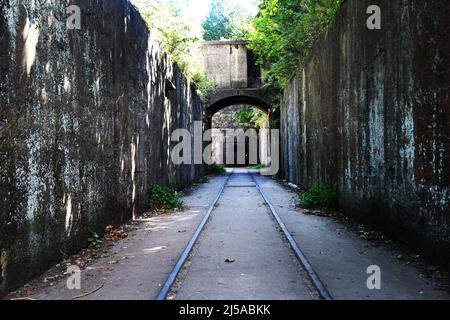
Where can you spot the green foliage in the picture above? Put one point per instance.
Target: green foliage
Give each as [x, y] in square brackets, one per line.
[164, 198]
[321, 195]
[223, 22]
[284, 31]
[179, 36]
[204, 85]
[217, 168]
[258, 167]
[202, 180]
[275, 123]
[94, 239]
[217, 24]
[250, 117]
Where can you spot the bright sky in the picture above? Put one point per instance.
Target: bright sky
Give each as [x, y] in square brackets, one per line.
[198, 9]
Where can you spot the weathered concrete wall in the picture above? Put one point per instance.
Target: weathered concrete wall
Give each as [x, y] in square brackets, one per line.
[226, 63]
[370, 111]
[86, 117]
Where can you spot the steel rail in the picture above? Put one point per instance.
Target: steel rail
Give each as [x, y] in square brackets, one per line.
[162, 295]
[323, 292]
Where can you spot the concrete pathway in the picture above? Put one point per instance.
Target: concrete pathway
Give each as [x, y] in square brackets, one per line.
[241, 254]
[341, 258]
[136, 267]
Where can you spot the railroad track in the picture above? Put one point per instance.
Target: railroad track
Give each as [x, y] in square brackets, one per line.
[301, 257]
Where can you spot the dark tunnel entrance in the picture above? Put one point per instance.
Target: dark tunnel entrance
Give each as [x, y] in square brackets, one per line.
[240, 132]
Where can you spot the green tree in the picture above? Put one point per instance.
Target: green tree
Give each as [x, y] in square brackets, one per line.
[225, 22]
[250, 117]
[284, 31]
[179, 37]
[175, 34]
[217, 24]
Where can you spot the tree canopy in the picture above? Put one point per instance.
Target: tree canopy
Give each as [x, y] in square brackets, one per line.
[225, 22]
[284, 31]
[179, 36]
[280, 36]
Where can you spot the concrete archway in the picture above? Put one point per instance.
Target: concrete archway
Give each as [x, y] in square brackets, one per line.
[220, 149]
[227, 98]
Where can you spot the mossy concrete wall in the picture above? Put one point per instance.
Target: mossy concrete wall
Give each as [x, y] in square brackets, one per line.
[85, 121]
[370, 112]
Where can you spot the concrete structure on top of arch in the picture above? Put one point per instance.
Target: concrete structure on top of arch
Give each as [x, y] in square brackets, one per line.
[238, 78]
